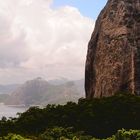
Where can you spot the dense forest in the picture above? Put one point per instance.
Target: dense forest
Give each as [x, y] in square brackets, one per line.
[100, 118]
[66, 134]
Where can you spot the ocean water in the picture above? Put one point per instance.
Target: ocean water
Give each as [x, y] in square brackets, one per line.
[8, 111]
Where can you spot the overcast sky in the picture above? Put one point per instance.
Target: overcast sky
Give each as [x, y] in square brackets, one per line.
[45, 38]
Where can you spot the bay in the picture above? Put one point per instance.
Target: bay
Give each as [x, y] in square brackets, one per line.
[10, 111]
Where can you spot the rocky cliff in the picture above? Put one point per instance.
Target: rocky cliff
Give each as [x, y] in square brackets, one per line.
[113, 58]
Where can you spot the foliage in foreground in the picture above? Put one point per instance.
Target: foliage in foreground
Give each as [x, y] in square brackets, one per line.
[98, 117]
[11, 136]
[67, 134]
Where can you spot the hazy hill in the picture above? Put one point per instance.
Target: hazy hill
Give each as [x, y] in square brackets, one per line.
[3, 97]
[80, 86]
[78, 83]
[7, 89]
[58, 81]
[39, 91]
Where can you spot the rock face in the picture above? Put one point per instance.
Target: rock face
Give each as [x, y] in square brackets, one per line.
[113, 59]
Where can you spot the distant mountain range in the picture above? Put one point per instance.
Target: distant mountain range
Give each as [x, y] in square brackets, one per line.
[58, 81]
[6, 89]
[41, 92]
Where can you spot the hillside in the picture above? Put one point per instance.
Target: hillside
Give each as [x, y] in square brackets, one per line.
[4, 97]
[7, 89]
[41, 92]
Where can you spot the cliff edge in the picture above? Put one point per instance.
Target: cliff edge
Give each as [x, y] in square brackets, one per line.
[113, 57]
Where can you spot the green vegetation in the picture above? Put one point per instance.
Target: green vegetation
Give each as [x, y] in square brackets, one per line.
[63, 134]
[100, 118]
[13, 137]
[59, 133]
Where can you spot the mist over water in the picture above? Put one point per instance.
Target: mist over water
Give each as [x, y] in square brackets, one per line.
[7, 111]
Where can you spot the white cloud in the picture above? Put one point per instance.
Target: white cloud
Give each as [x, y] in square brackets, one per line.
[37, 40]
[13, 49]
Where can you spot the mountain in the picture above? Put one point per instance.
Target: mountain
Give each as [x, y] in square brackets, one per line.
[58, 81]
[78, 83]
[80, 86]
[41, 92]
[113, 58]
[7, 89]
[3, 97]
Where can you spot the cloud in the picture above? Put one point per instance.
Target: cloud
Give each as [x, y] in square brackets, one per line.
[13, 49]
[38, 40]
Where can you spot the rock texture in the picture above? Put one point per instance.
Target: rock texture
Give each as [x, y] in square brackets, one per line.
[113, 59]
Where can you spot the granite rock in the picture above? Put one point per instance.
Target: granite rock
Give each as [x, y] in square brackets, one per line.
[113, 57]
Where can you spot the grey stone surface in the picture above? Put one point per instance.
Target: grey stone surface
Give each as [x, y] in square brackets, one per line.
[113, 57]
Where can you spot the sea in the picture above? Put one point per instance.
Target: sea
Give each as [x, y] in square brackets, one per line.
[10, 111]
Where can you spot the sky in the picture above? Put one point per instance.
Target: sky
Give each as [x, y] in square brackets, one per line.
[45, 38]
[89, 8]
